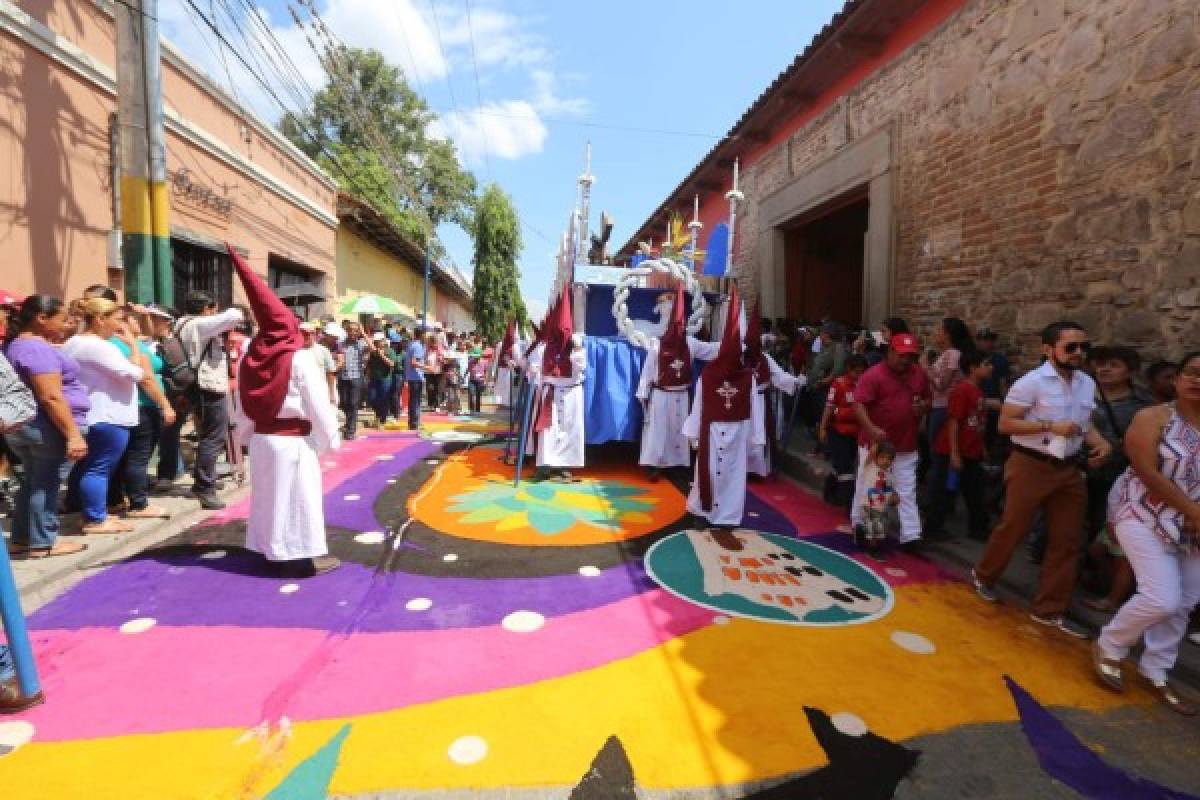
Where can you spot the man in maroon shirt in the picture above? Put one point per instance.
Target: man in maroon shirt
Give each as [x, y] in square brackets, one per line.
[891, 399]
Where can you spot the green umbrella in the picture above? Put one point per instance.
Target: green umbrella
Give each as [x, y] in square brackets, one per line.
[372, 304]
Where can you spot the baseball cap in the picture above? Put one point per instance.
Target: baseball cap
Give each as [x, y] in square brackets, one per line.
[378, 336]
[335, 330]
[905, 344]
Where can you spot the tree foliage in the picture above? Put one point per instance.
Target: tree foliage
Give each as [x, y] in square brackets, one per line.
[497, 234]
[371, 131]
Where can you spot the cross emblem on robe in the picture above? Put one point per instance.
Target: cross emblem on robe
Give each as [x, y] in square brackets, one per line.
[728, 391]
[677, 365]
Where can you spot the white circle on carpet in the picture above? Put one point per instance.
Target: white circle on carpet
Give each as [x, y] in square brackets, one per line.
[176, 570]
[589, 571]
[391, 480]
[721, 619]
[14, 734]
[289, 588]
[450, 557]
[849, 724]
[370, 537]
[419, 604]
[212, 555]
[913, 643]
[468, 750]
[351, 497]
[896, 572]
[384, 457]
[523, 622]
[139, 625]
[432, 461]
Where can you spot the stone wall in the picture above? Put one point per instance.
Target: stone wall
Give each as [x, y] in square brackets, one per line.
[1045, 156]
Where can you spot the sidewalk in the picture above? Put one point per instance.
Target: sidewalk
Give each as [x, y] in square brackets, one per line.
[959, 555]
[41, 580]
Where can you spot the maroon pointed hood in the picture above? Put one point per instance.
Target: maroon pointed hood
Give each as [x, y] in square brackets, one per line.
[556, 333]
[266, 367]
[729, 356]
[754, 354]
[506, 346]
[674, 357]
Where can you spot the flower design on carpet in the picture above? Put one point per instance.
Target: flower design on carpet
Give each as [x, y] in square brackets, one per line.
[549, 508]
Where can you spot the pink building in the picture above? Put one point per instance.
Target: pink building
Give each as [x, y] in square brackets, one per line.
[233, 177]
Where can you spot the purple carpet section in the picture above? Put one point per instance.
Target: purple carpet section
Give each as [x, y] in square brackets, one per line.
[359, 515]
[761, 517]
[182, 589]
[1064, 758]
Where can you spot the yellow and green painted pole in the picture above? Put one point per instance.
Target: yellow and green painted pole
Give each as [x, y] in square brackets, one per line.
[146, 237]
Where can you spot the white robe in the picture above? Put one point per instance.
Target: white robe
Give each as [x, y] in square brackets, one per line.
[759, 462]
[504, 376]
[287, 518]
[663, 441]
[561, 445]
[729, 447]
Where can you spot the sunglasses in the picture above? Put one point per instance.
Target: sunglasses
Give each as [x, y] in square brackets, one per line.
[1077, 347]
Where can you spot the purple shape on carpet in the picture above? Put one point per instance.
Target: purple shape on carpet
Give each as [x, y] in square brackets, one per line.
[359, 515]
[227, 592]
[767, 519]
[1066, 759]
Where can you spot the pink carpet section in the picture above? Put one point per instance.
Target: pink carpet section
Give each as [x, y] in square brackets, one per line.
[188, 677]
[336, 467]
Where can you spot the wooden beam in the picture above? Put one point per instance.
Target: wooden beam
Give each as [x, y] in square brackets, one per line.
[708, 185]
[756, 136]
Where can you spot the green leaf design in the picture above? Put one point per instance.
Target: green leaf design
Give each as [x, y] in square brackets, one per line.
[549, 522]
[541, 491]
[490, 514]
[631, 505]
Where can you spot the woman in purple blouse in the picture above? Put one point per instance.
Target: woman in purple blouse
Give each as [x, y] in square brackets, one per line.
[57, 433]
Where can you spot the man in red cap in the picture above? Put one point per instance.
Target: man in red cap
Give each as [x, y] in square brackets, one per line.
[288, 420]
[663, 389]
[556, 367]
[890, 400]
[768, 375]
[726, 423]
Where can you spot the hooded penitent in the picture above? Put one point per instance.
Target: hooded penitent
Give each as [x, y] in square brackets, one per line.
[556, 333]
[754, 355]
[506, 346]
[674, 358]
[266, 367]
[727, 385]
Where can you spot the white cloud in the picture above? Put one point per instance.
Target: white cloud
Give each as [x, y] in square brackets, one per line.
[405, 33]
[510, 130]
[546, 99]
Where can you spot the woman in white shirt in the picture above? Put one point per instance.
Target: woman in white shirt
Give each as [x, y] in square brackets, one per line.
[111, 380]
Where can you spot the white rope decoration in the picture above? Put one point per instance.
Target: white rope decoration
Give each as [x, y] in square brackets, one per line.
[681, 272]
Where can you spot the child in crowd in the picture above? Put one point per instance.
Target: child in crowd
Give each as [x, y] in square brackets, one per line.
[838, 433]
[477, 370]
[880, 518]
[958, 451]
[451, 384]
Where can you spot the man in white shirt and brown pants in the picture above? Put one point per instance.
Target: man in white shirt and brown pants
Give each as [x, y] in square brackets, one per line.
[1047, 413]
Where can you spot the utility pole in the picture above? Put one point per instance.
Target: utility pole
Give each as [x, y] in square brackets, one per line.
[146, 237]
[425, 300]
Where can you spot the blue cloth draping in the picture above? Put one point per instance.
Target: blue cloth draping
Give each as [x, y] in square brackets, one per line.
[612, 411]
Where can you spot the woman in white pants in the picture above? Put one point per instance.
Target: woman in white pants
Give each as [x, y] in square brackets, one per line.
[1155, 510]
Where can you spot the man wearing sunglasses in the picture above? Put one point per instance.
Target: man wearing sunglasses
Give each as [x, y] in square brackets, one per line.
[1047, 413]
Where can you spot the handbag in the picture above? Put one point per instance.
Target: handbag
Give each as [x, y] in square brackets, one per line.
[17, 403]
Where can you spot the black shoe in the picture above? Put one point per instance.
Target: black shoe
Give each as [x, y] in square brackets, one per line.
[209, 501]
[913, 548]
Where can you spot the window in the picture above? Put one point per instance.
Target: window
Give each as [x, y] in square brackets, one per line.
[201, 269]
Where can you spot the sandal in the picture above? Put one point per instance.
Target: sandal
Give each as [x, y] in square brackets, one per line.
[20, 552]
[109, 525]
[1108, 670]
[149, 512]
[1172, 700]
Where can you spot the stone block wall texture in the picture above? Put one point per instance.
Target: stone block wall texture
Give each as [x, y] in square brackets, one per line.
[1046, 166]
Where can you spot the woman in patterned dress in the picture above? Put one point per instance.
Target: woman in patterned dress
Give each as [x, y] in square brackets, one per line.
[1156, 505]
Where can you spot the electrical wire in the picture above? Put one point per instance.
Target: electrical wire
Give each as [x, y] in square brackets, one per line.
[478, 91]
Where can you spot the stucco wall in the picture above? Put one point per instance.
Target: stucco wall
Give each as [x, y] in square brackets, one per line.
[55, 187]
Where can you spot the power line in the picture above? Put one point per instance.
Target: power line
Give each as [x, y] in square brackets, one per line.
[274, 95]
[478, 92]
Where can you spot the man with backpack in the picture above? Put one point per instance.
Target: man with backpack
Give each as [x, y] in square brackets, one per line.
[197, 374]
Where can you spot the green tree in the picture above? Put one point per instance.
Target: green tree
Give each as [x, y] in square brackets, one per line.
[376, 127]
[497, 291]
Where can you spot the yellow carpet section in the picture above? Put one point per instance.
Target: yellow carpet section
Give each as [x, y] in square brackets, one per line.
[722, 705]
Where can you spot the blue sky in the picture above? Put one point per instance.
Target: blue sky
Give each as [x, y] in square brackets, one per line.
[551, 77]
